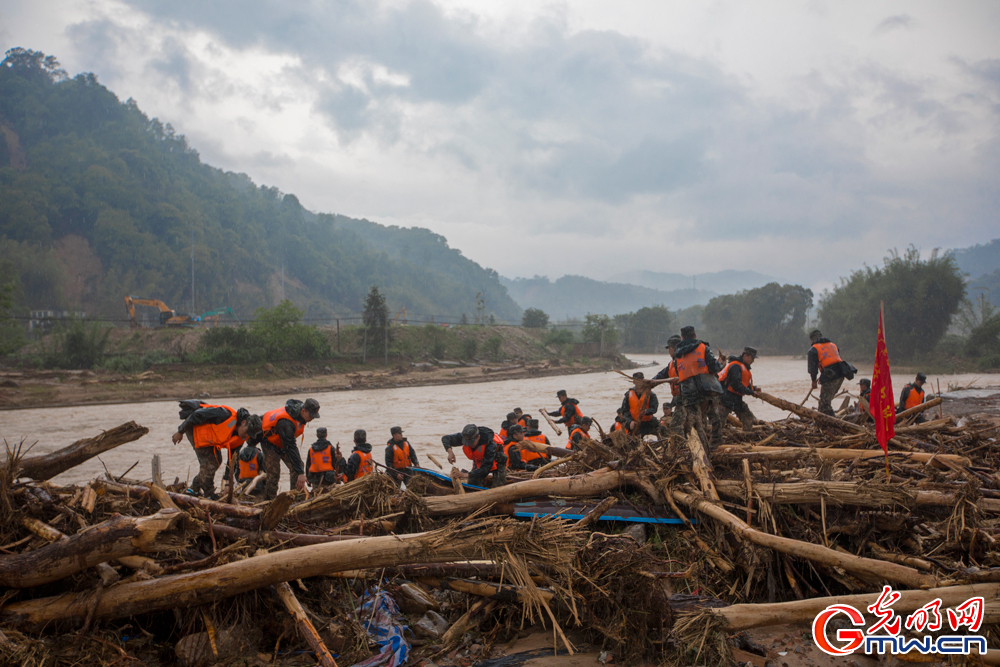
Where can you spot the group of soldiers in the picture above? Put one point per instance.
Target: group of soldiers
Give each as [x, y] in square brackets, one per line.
[704, 392]
[256, 446]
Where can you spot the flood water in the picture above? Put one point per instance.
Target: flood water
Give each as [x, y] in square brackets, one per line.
[425, 413]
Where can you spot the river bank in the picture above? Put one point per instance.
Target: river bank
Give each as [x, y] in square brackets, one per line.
[63, 388]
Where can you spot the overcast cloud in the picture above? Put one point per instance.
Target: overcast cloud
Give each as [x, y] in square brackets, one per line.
[800, 140]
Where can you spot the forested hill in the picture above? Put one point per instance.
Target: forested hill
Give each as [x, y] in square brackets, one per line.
[98, 201]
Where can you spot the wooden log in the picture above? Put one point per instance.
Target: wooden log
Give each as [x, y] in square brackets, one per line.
[47, 532]
[304, 625]
[467, 621]
[48, 466]
[182, 500]
[487, 589]
[831, 453]
[739, 617]
[591, 484]
[456, 481]
[206, 586]
[277, 538]
[542, 448]
[481, 570]
[866, 567]
[810, 414]
[117, 537]
[549, 420]
[595, 514]
[276, 510]
[917, 409]
[701, 465]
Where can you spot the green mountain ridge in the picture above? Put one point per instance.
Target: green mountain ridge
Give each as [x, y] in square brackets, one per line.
[98, 201]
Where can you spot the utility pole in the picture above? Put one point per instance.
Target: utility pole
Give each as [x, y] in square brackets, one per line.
[338, 336]
[282, 279]
[385, 346]
[602, 337]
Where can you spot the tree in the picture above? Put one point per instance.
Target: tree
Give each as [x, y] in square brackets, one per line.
[376, 318]
[920, 296]
[11, 333]
[771, 318]
[645, 330]
[599, 328]
[534, 318]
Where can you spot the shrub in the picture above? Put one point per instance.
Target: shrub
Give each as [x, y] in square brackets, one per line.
[76, 344]
[469, 347]
[492, 347]
[558, 337]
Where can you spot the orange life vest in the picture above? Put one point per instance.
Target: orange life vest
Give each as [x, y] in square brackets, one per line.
[322, 460]
[270, 422]
[248, 469]
[746, 378]
[221, 435]
[617, 426]
[828, 354]
[364, 465]
[523, 421]
[476, 455]
[693, 363]
[675, 389]
[530, 454]
[401, 455]
[915, 397]
[503, 434]
[635, 407]
[562, 412]
[577, 429]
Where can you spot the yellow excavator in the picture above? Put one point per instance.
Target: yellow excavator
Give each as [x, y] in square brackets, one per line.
[168, 317]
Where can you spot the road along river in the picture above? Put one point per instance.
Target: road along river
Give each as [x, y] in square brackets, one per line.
[425, 413]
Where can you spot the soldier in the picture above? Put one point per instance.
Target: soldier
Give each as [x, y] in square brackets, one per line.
[824, 361]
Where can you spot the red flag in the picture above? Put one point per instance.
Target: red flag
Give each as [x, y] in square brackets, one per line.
[883, 405]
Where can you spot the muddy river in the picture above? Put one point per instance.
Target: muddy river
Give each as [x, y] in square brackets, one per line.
[425, 413]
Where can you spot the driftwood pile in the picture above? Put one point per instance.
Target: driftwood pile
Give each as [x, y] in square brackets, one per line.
[776, 522]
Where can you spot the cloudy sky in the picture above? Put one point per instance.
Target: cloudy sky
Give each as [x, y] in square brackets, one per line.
[799, 139]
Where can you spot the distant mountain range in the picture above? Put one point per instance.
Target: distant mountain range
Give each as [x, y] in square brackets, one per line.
[982, 264]
[576, 296]
[720, 282]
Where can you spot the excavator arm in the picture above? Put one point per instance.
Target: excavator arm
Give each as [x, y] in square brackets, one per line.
[166, 313]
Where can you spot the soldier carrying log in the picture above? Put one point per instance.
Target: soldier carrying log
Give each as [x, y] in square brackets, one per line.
[825, 362]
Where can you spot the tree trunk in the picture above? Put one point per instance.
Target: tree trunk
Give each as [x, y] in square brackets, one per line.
[278, 538]
[203, 587]
[48, 466]
[917, 409]
[833, 454]
[862, 566]
[810, 414]
[577, 486]
[855, 494]
[117, 537]
[183, 500]
[740, 617]
[305, 626]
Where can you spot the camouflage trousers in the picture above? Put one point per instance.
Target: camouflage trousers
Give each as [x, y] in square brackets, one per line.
[209, 460]
[827, 392]
[742, 410]
[704, 418]
[273, 458]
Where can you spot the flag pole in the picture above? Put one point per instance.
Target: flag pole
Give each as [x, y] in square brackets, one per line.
[881, 319]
